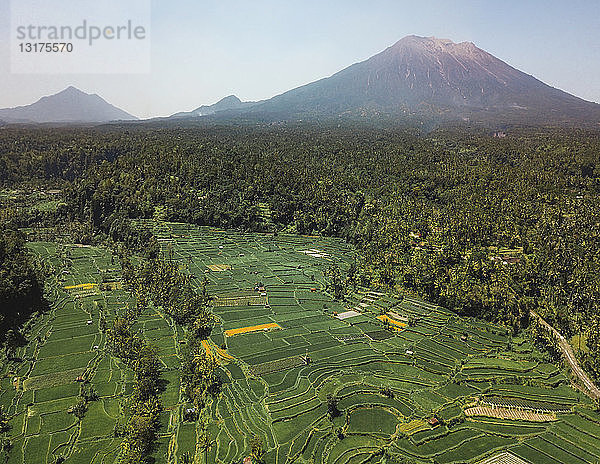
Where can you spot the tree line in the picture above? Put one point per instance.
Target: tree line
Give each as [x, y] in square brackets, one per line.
[159, 284]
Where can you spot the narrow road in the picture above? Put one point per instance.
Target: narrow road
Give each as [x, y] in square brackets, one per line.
[567, 350]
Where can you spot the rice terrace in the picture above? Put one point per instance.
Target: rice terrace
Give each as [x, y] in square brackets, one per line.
[376, 378]
[311, 232]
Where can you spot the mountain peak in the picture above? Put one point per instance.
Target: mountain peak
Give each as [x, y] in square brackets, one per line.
[432, 43]
[231, 102]
[68, 105]
[230, 99]
[418, 38]
[71, 90]
[435, 78]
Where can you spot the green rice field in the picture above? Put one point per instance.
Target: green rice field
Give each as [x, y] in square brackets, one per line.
[401, 394]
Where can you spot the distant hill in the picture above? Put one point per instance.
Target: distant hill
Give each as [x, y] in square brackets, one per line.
[434, 78]
[69, 106]
[228, 103]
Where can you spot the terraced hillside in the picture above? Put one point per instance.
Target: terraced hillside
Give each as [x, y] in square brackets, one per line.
[375, 379]
[408, 376]
[66, 349]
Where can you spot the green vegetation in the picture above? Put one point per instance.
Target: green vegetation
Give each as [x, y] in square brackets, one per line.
[395, 273]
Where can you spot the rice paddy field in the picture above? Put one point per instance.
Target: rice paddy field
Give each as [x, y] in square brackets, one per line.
[412, 380]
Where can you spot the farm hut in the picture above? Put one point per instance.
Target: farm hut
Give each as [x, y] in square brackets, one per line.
[433, 421]
[190, 414]
[89, 322]
[464, 337]
[409, 352]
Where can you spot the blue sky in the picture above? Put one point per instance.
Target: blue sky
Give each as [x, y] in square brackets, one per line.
[204, 50]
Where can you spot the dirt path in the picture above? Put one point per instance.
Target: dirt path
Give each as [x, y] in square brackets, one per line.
[567, 351]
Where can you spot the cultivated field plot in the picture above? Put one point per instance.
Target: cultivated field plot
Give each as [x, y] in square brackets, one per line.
[403, 371]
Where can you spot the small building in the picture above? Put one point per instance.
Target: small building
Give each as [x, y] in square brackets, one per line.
[499, 134]
[433, 421]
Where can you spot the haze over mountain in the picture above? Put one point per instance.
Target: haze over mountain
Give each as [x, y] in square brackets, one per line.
[426, 76]
[68, 106]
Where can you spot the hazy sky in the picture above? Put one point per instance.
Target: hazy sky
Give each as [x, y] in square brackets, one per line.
[203, 50]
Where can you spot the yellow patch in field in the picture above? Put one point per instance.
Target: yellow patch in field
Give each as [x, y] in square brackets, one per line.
[219, 267]
[394, 322]
[413, 426]
[206, 347]
[253, 328]
[81, 287]
[213, 350]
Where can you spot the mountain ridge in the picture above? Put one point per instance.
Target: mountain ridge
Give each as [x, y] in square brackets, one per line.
[424, 79]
